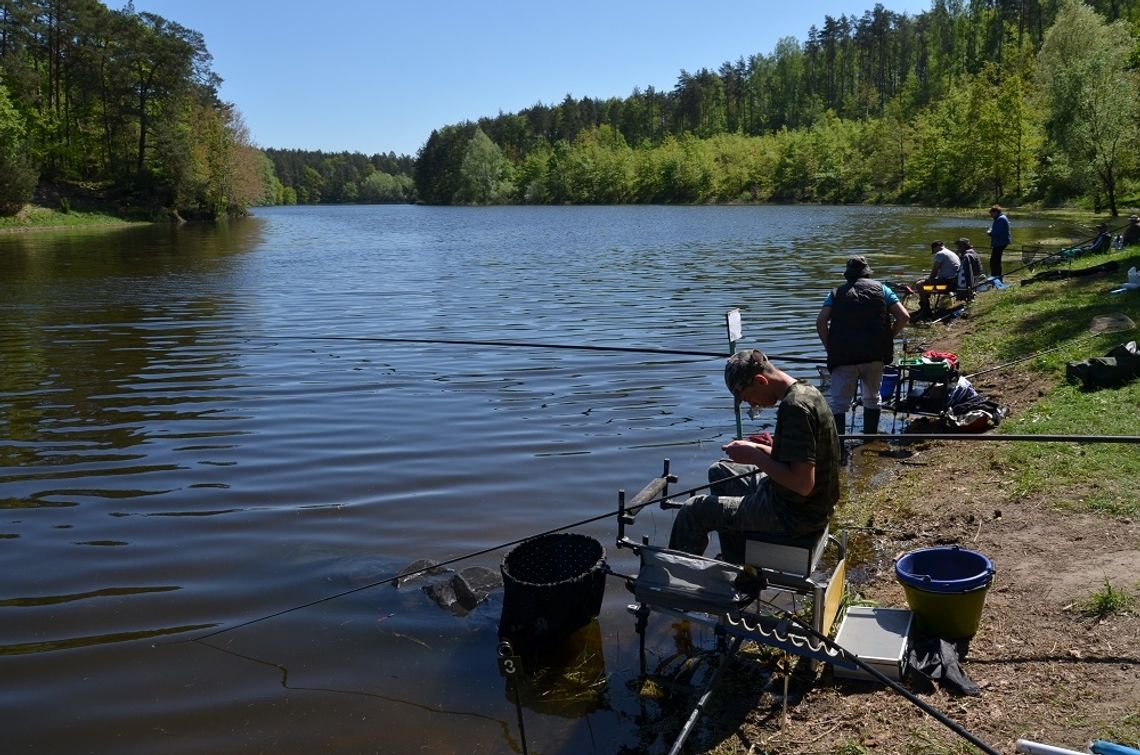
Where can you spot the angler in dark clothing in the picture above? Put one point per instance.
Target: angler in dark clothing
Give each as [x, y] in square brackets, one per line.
[1000, 238]
[1131, 233]
[857, 326]
[1102, 242]
[969, 269]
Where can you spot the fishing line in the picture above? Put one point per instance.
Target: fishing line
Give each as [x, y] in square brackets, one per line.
[1056, 254]
[997, 438]
[665, 499]
[525, 345]
[457, 559]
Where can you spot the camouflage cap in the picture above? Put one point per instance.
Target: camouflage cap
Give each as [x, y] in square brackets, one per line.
[741, 368]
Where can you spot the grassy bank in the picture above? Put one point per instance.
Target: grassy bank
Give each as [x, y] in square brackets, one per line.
[1055, 320]
[35, 218]
[1015, 344]
[1058, 650]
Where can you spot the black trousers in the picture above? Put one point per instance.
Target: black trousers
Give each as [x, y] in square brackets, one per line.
[995, 260]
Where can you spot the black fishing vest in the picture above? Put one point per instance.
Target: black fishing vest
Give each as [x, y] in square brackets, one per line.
[860, 328]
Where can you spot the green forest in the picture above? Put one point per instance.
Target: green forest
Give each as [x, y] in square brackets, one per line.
[118, 106]
[969, 103]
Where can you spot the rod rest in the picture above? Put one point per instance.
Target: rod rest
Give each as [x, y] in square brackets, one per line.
[655, 489]
[658, 487]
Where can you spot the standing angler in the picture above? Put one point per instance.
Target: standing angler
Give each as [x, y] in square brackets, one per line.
[856, 328]
[1000, 238]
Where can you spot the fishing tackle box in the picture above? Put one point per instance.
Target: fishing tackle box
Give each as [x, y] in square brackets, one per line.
[878, 637]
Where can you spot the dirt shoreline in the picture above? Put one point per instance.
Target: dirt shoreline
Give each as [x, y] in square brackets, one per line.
[1047, 671]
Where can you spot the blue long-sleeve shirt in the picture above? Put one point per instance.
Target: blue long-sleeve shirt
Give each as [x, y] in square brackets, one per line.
[999, 232]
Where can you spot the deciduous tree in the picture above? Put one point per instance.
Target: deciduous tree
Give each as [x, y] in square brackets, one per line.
[17, 176]
[482, 173]
[1091, 95]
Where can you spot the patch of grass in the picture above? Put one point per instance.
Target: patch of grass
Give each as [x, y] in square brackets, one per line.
[1125, 732]
[32, 217]
[851, 748]
[928, 743]
[1107, 602]
[1051, 320]
[1093, 476]
[1024, 320]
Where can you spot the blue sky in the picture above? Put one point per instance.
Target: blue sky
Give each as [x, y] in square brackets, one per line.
[377, 76]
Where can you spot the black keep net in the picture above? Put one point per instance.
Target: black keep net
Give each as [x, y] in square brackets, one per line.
[552, 585]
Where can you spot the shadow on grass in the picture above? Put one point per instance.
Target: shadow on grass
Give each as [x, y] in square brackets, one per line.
[1058, 316]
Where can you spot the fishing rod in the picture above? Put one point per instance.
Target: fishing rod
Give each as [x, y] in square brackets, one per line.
[921, 704]
[520, 344]
[475, 554]
[1119, 327]
[1012, 437]
[1034, 355]
[1057, 254]
[667, 502]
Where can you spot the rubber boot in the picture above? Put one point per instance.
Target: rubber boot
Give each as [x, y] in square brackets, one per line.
[871, 421]
[844, 446]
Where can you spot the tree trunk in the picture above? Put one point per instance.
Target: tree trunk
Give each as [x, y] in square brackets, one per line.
[142, 132]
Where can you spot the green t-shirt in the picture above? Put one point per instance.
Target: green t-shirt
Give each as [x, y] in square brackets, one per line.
[805, 431]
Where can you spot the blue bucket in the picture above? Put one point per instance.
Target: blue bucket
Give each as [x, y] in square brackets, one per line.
[890, 380]
[945, 588]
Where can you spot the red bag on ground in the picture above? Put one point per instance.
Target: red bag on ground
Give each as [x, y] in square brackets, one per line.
[951, 359]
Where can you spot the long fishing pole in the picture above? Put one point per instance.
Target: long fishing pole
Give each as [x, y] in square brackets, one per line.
[665, 502]
[465, 557]
[918, 702]
[1122, 328]
[1034, 355]
[1058, 254]
[526, 345]
[1014, 438]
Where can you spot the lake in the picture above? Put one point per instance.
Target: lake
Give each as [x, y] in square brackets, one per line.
[196, 433]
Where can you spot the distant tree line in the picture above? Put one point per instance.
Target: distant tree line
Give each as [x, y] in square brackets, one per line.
[973, 101]
[122, 107]
[314, 177]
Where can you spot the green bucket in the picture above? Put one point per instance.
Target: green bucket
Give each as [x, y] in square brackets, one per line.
[945, 588]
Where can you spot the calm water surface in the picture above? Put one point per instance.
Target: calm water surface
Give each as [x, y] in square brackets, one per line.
[196, 432]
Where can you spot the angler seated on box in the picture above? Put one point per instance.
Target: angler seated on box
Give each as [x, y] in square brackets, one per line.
[794, 482]
[969, 270]
[943, 277]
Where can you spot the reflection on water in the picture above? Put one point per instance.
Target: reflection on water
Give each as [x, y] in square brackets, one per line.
[568, 679]
[196, 432]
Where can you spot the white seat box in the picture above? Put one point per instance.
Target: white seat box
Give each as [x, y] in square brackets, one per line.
[878, 637]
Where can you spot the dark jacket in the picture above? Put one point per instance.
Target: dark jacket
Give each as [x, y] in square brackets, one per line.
[1131, 234]
[970, 270]
[860, 327]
